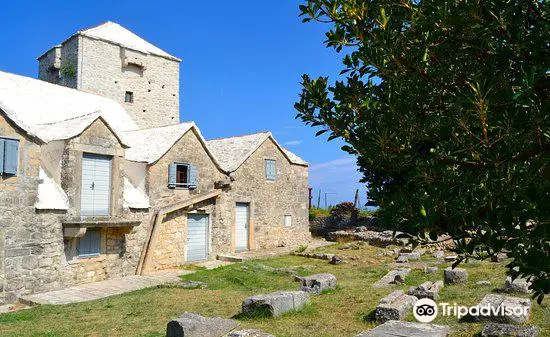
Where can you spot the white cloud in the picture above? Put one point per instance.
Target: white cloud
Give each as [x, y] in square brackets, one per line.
[336, 163]
[292, 143]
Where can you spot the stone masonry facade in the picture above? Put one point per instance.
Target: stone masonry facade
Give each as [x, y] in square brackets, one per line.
[38, 247]
[102, 68]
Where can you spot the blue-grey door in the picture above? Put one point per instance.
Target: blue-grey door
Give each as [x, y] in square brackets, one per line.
[96, 185]
[197, 237]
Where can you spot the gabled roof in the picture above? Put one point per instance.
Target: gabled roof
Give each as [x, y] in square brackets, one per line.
[149, 145]
[115, 33]
[53, 112]
[234, 151]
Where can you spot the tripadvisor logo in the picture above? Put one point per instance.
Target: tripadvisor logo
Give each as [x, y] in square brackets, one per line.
[425, 310]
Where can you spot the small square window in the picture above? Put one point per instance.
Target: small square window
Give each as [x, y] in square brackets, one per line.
[181, 175]
[288, 220]
[129, 97]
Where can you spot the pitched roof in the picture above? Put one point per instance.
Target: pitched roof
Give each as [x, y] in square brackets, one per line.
[115, 33]
[234, 151]
[149, 145]
[53, 112]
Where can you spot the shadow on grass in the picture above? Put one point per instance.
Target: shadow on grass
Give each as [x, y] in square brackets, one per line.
[370, 317]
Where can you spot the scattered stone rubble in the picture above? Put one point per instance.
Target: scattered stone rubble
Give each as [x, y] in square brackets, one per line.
[316, 284]
[193, 325]
[395, 306]
[517, 286]
[275, 304]
[455, 276]
[520, 309]
[427, 290]
[408, 329]
[390, 277]
[507, 330]
[249, 333]
[379, 239]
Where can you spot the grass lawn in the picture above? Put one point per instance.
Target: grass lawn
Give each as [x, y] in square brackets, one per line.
[340, 313]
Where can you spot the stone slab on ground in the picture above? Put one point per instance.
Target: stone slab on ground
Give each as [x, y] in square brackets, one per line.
[379, 239]
[455, 276]
[320, 256]
[499, 257]
[520, 307]
[431, 270]
[411, 256]
[406, 329]
[193, 325]
[439, 254]
[249, 333]
[427, 290]
[483, 283]
[97, 290]
[192, 285]
[518, 285]
[389, 278]
[507, 330]
[395, 306]
[275, 304]
[315, 284]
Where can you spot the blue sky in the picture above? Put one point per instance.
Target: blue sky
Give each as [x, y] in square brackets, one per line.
[242, 64]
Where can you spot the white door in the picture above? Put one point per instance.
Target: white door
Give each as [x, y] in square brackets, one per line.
[96, 185]
[241, 227]
[197, 237]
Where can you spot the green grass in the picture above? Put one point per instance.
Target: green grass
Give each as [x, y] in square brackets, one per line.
[343, 312]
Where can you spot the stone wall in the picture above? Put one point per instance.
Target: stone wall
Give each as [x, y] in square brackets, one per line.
[155, 86]
[169, 246]
[24, 235]
[270, 201]
[35, 256]
[109, 70]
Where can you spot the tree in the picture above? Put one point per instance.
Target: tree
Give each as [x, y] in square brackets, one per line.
[445, 104]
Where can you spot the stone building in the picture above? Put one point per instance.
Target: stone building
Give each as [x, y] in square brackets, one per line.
[96, 183]
[113, 62]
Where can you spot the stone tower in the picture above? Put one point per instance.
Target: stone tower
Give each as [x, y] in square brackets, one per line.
[111, 61]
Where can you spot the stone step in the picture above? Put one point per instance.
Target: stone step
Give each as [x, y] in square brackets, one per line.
[229, 258]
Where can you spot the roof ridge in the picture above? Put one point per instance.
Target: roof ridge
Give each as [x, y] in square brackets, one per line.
[97, 112]
[99, 25]
[245, 135]
[163, 126]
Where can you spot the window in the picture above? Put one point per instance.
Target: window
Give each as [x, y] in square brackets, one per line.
[9, 156]
[89, 244]
[182, 175]
[270, 169]
[288, 220]
[129, 97]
